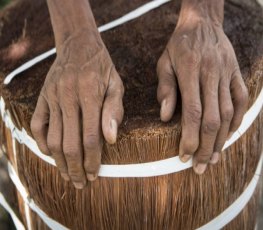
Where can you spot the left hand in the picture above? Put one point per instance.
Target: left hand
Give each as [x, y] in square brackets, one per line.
[79, 104]
[214, 96]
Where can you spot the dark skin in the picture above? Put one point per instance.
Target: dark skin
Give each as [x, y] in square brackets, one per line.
[81, 100]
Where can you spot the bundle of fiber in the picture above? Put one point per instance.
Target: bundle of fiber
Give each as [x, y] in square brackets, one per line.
[142, 184]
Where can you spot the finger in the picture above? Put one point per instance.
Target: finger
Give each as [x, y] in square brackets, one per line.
[240, 101]
[112, 113]
[39, 124]
[72, 144]
[210, 124]
[226, 114]
[166, 91]
[191, 115]
[91, 105]
[54, 139]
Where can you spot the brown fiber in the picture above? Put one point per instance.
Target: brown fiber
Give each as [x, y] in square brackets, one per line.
[177, 201]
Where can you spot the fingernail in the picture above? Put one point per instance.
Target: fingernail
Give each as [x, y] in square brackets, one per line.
[163, 104]
[65, 176]
[184, 158]
[91, 177]
[215, 158]
[114, 127]
[200, 168]
[79, 185]
[230, 135]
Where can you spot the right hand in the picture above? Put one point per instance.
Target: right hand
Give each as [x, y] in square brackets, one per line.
[201, 60]
[81, 99]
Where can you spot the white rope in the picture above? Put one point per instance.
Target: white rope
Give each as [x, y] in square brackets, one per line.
[128, 17]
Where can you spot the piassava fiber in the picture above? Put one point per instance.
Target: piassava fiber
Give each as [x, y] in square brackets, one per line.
[176, 201]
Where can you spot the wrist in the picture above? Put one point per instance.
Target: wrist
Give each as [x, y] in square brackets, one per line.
[196, 11]
[63, 34]
[81, 36]
[80, 45]
[69, 18]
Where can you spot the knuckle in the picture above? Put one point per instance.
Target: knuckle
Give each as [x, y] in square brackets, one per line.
[92, 164]
[67, 81]
[117, 91]
[227, 113]
[164, 69]
[211, 125]
[193, 112]
[51, 89]
[241, 93]
[83, 81]
[162, 62]
[190, 147]
[89, 81]
[97, 94]
[66, 90]
[35, 126]
[53, 145]
[167, 82]
[209, 64]
[91, 142]
[191, 60]
[244, 96]
[71, 153]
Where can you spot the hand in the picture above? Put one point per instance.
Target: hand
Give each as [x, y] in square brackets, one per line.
[214, 96]
[82, 94]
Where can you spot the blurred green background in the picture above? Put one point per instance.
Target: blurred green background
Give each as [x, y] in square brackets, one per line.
[3, 3]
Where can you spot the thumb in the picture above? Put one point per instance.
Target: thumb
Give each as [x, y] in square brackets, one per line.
[166, 91]
[113, 111]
